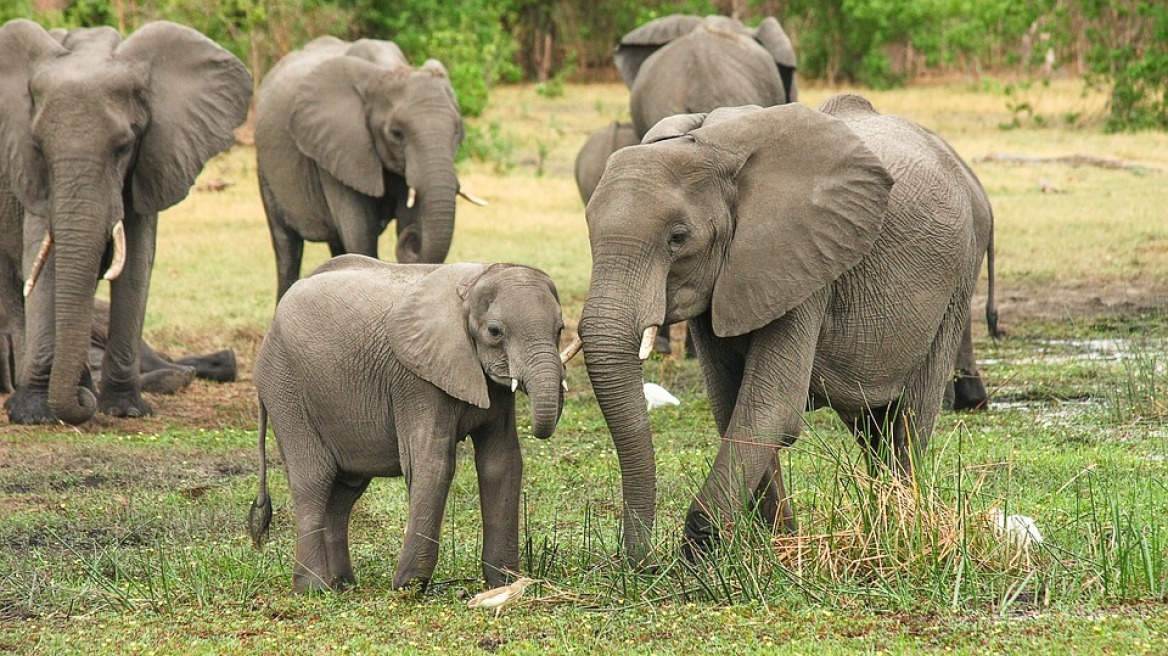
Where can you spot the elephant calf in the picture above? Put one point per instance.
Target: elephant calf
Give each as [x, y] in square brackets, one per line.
[374, 369]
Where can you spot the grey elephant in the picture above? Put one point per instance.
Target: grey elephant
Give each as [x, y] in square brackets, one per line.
[350, 137]
[813, 269]
[99, 134]
[376, 369]
[681, 64]
[595, 151]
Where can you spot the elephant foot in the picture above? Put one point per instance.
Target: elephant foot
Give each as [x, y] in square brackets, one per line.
[307, 583]
[413, 584]
[170, 380]
[700, 536]
[30, 406]
[344, 582]
[118, 403]
[969, 393]
[220, 366]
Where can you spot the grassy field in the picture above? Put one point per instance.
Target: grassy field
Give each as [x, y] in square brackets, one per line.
[129, 536]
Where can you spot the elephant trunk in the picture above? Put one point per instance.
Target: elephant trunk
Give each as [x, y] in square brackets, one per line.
[436, 187]
[611, 335]
[544, 387]
[77, 252]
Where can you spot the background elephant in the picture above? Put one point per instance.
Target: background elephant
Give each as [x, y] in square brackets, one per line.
[348, 138]
[811, 268]
[592, 156]
[160, 373]
[99, 135]
[374, 369]
[682, 64]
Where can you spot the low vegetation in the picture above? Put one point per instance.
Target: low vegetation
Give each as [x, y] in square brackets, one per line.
[129, 536]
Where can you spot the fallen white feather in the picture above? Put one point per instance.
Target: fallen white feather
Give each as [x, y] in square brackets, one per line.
[658, 396]
[1019, 528]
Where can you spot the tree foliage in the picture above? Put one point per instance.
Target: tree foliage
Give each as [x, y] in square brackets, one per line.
[1118, 45]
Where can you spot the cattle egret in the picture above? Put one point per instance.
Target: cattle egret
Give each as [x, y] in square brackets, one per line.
[501, 596]
[658, 396]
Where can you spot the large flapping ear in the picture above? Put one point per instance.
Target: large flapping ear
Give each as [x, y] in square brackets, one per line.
[770, 35]
[637, 46]
[22, 44]
[811, 201]
[197, 95]
[427, 330]
[329, 125]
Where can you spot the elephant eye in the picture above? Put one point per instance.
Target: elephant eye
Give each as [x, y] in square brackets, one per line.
[677, 239]
[494, 330]
[396, 134]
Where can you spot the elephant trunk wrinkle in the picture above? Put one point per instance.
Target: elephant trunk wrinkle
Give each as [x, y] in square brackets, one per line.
[616, 378]
[77, 259]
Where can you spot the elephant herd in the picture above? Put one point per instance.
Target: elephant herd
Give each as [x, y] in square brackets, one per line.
[819, 257]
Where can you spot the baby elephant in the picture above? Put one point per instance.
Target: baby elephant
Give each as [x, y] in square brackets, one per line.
[375, 369]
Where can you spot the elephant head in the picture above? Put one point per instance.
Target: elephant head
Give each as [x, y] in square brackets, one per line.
[97, 129]
[742, 214]
[638, 45]
[379, 125]
[464, 324]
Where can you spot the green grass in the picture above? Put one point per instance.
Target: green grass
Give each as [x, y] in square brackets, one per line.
[130, 536]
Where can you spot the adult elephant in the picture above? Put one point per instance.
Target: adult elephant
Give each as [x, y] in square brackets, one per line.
[99, 134]
[683, 64]
[812, 268]
[350, 137]
[595, 151]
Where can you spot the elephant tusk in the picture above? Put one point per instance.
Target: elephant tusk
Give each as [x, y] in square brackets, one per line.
[571, 350]
[412, 198]
[38, 264]
[565, 384]
[514, 385]
[472, 198]
[119, 262]
[647, 340]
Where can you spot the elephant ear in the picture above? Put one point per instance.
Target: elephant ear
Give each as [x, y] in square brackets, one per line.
[637, 46]
[810, 203]
[22, 44]
[329, 126]
[770, 35]
[197, 94]
[427, 331]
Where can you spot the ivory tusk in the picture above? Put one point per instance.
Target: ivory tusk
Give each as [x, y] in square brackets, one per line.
[647, 339]
[38, 264]
[571, 350]
[412, 198]
[565, 384]
[472, 198]
[514, 384]
[119, 262]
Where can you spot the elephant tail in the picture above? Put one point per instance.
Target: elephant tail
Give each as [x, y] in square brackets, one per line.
[991, 308]
[260, 516]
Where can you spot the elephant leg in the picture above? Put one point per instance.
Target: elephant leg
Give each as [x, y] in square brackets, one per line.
[768, 415]
[969, 392]
[121, 384]
[722, 369]
[287, 244]
[29, 404]
[340, 507]
[499, 464]
[12, 339]
[219, 366]
[310, 496]
[355, 217]
[770, 497]
[160, 375]
[428, 467]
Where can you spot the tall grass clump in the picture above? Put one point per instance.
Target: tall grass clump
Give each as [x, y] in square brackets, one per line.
[1142, 393]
